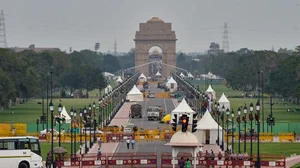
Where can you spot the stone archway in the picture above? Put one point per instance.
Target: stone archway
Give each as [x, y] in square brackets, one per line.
[155, 33]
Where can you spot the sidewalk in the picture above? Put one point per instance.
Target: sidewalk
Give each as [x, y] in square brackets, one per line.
[120, 119]
[291, 161]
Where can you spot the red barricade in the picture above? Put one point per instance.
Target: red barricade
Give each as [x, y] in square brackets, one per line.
[125, 136]
[113, 137]
[266, 161]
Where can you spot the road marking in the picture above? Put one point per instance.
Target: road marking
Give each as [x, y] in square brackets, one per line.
[173, 103]
[143, 113]
[165, 106]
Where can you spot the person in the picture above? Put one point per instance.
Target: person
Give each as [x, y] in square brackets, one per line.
[187, 163]
[100, 142]
[132, 143]
[14, 131]
[99, 154]
[48, 160]
[128, 143]
[181, 163]
[62, 134]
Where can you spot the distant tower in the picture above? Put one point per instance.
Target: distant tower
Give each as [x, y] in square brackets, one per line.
[225, 45]
[115, 48]
[3, 42]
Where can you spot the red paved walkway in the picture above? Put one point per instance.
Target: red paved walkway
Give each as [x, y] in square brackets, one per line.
[121, 118]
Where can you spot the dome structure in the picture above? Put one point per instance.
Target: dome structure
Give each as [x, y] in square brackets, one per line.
[155, 19]
[155, 52]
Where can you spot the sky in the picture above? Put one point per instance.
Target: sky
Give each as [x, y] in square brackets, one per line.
[79, 24]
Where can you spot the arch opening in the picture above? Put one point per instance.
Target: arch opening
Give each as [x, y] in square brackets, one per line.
[155, 54]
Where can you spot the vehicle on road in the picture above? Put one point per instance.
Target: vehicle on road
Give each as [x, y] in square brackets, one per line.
[136, 111]
[145, 85]
[151, 95]
[154, 113]
[20, 152]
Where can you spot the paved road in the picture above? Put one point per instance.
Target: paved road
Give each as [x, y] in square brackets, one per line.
[154, 146]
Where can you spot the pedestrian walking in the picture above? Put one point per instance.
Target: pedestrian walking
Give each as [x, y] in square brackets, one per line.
[100, 142]
[181, 163]
[128, 143]
[48, 160]
[187, 163]
[99, 154]
[132, 143]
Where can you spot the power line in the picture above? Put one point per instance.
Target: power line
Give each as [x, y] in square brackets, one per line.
[3, 41]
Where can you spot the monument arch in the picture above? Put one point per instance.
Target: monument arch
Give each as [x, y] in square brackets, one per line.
[155, 33]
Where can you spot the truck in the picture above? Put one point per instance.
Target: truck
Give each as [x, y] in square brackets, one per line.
[154, 113]
[136, 111]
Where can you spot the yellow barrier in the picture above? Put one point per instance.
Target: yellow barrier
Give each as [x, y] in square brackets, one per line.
[162, 95]
[21, 129]
[5, 129]
[286, 136]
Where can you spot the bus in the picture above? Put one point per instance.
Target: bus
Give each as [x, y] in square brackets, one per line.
[20, 152]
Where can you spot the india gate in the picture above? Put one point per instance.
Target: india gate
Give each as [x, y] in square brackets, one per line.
[155, 33]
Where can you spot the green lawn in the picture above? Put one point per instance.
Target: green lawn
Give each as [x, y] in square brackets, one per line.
[30, 111]
[284, 148]
[46, 147]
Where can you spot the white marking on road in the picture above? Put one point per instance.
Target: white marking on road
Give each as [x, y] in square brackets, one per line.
[166, 109]
[143, 113]
[173, 103]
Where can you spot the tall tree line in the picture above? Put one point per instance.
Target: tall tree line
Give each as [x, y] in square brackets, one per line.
[24, 75]
[281, 70]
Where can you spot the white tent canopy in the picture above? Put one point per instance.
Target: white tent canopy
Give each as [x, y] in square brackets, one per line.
[224, 101]
[108, 89]
[157, 74]
[142, 78]
[183, 107]
[119, 79]
[64, 114]
[135, 95]
[171, 84]
[190, 75]
[182, 75]
[207, 129]
[211, 92]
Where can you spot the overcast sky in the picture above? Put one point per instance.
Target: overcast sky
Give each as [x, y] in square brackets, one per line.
[255, 24]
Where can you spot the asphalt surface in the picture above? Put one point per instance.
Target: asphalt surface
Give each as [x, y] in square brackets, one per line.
[154, 146]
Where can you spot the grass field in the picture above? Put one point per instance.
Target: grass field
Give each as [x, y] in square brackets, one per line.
[46, 147]
[30, 111]
[284, 148]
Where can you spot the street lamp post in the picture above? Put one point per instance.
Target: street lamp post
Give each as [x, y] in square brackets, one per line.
[71, 112]
[232, 133]
[218, 115]
[80, 130]
[238, 119]
[51, 107]
[94, 111]
[227, 130]
[85, 141]
[251, 128]
[245, 125]
[90, 121]
[100, 113]
[75, 141]
[222, 118]
[258, 131]
[59, 123]
[37, 127]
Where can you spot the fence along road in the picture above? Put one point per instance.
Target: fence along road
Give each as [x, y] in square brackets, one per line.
[152, 146]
